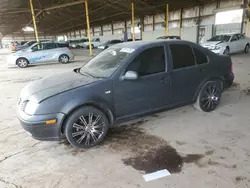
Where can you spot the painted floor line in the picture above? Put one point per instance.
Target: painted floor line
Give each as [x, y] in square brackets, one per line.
[156, 175]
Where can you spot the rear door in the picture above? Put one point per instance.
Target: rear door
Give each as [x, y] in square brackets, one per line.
[186, 76]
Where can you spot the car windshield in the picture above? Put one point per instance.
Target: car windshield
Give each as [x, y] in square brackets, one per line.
[224, 38]
[106, 63]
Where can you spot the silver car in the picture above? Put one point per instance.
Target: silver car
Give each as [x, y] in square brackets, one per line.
[228, 43]
[41, 52]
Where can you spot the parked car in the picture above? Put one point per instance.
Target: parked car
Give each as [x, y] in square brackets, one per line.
[41, 52]
[109, 43]
[73, 43]
[95, 42]
[124, 81]
[227, 43]
[170, 37]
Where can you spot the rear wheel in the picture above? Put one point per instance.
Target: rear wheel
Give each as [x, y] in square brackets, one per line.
[64, 59]
[246, 50]
[22, 62]
[86, 127]
[209, 96]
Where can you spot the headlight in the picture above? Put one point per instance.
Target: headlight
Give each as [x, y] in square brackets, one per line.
[217, 47]
[30, 108]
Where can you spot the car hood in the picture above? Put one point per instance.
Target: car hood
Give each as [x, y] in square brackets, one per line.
[39, 90]
[211, 43]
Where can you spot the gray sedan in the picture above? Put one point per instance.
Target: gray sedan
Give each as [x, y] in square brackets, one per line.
[124, 81]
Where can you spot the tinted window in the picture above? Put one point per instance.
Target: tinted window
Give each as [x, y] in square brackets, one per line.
[149, 62]
[201, 58]
[62, 45]
[182, 56]
[241, 36]
[49, 46]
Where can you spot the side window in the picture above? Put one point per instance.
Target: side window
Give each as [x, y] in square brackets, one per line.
[201, 58]
[234, 38]
[50, 46]
[150, 61]
[240, 36]
[38, 47]
[182, 56]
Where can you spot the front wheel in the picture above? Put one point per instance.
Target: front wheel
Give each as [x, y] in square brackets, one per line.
[226, 52]
[22, 62]
[64, 59]
[246, 50]
[209, 96]
[86, 127]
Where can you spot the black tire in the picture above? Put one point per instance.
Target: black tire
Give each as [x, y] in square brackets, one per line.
[22, 62]
[227, 51]
[209, 96]
[246, 50]
[79, 130]
[64, 59]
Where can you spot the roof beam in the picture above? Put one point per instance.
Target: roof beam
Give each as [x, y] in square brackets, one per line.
[65, 5]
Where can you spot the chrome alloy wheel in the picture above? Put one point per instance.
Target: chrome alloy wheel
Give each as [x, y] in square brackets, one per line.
[88, 129]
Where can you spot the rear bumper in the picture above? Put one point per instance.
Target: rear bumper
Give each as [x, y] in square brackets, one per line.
[35, 125]
[229, 79]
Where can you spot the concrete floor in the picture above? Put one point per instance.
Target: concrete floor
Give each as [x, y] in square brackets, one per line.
[220, 138]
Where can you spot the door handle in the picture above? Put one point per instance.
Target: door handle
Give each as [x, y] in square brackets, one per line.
[164, 80]
[203, 70]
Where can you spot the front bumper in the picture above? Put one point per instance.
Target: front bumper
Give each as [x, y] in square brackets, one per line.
[220, 51]
[35, 125]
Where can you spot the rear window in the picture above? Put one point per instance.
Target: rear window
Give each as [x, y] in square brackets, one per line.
[62, 45]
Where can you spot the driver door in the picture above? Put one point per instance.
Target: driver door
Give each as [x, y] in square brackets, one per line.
[150, 91]
[37, 53]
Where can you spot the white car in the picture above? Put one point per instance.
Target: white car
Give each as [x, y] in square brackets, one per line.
[95, 42]
[227, 43]
[41, 52]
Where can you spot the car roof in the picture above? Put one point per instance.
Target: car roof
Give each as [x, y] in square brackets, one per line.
[138, 44]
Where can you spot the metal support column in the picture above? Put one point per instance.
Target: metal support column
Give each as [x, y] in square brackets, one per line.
[247, 23]
[166, 21]
[133, 20]
[34, 20]
[112, 28]
[88, 27]
[180, 25]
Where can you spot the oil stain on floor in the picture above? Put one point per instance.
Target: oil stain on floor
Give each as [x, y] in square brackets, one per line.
[149, 153]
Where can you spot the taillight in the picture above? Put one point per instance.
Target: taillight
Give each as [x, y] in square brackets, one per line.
[69, 48]
[231, 67]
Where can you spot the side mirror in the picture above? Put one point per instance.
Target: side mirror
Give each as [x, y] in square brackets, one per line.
[130, 75]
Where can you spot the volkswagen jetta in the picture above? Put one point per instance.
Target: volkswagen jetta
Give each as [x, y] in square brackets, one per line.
[124, 81]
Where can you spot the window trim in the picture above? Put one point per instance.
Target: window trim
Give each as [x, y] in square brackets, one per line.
[149, 75]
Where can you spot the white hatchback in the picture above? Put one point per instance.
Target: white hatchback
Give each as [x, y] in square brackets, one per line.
[227, 43]
[41, 52]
